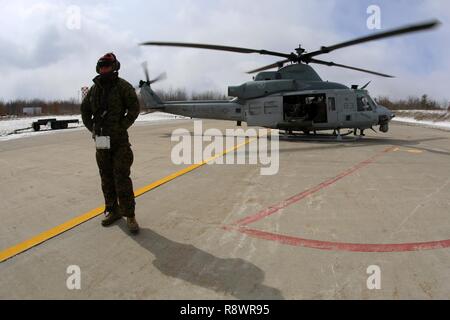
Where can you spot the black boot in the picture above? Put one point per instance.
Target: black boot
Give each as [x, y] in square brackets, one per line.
[111, 216]
[132, 224]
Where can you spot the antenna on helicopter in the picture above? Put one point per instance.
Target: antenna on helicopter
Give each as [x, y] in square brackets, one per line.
[366, 85]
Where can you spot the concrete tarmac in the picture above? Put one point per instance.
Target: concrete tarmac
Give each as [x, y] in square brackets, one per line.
[311, 231]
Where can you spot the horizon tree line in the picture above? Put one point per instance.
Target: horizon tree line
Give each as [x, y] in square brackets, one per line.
[68, 107]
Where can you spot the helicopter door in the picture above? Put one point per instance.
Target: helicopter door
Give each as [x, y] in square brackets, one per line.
[264, 112]
[331, 109]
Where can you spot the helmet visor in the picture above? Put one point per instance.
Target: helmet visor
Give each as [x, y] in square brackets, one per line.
[105, 63]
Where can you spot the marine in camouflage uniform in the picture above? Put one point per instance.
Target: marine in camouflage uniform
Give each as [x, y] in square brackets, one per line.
[109, 109]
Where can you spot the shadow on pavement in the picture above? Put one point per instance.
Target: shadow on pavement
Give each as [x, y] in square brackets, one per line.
[233, 276]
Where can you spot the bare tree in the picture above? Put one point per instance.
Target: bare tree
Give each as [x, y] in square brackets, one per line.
[208, 95]
[411, 103]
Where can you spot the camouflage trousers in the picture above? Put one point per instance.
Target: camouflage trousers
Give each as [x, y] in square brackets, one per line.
[114, 166]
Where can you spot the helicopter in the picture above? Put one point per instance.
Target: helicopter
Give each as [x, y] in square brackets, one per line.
[292, 99]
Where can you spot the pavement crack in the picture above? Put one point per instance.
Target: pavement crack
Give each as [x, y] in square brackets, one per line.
[426, 200]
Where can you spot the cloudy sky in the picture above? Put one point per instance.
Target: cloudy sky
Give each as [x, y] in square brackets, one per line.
[48, 49]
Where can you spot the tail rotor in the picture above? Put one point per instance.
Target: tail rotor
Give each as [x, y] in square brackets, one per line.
[147, 81]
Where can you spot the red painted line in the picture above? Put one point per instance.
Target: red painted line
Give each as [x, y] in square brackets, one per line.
[341, 246]
[285, 203]
[239, 226]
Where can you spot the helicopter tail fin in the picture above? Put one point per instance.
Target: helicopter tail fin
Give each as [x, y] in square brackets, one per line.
[151, 100]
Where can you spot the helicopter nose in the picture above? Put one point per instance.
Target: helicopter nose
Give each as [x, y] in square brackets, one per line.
[383, 119]
[385, 115]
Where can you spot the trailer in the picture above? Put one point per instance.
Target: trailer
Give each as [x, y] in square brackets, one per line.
[53, 123]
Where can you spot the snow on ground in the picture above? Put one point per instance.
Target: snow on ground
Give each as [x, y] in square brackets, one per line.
[439, 119]
[422, 111]
[426, 123]
[433, 115]
[7, 126]
[158, 116]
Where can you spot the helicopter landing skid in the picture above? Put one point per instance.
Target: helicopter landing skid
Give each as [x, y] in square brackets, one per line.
[334, 137]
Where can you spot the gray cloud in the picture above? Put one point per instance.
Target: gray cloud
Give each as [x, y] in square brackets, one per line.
[41, 57]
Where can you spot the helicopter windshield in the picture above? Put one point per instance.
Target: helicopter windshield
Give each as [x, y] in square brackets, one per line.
[371, 101]
[365, 102]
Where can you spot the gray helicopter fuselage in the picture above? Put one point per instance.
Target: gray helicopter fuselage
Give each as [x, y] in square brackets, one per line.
[293, 98]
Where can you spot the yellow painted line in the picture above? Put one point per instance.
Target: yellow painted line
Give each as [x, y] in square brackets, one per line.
[172, 176]
[53, 232]
[414, 151]
[46, 235]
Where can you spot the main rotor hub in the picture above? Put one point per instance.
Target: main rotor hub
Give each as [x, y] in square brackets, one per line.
[300, 50]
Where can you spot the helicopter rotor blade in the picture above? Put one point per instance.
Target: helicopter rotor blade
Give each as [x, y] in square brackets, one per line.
[332, 64]
[145, 67]
[161, 77]
[278, 64]
[217, 47]
[394, 32]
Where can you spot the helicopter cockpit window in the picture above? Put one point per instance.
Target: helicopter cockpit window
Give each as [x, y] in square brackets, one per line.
[372, 103]
[363, 104]
[332, 104]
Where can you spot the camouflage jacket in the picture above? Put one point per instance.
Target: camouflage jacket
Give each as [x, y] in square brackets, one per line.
[118, 98]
